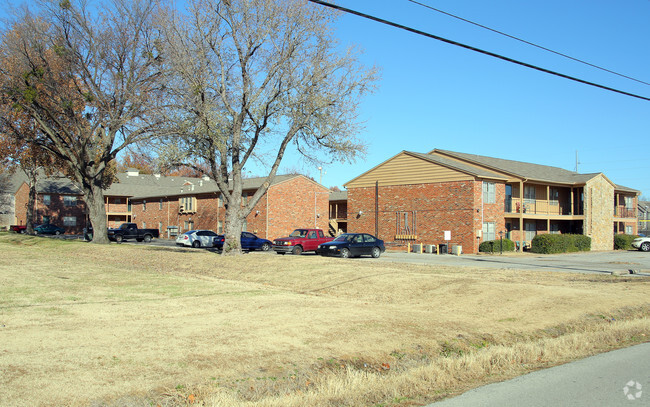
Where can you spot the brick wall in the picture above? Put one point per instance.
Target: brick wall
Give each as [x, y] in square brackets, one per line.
[292, 204]
[22, 197]
[56, 210]
[297, 203]
[447, 206]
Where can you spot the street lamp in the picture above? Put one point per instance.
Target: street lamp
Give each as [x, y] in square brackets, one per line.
[501, 240]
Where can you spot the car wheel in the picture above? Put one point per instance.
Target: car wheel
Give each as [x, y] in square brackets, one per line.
[57, 233]
[645, 247]
[266, 247]
[297, 250]
[375, 252]
[147, 238]
[196, 244]
[345, 253]
[119, 238]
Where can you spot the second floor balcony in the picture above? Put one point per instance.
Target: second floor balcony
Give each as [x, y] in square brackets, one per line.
[541, 207]
[623, 212]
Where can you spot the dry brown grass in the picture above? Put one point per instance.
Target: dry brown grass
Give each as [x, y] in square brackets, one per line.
[82, 324]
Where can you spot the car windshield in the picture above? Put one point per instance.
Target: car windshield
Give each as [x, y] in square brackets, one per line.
[344, 238]
[298, 233]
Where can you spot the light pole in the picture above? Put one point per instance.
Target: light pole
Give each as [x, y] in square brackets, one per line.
[501, 241]
[320, 180]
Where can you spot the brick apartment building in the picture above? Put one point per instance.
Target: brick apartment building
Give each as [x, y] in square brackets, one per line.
[416, 198]
[175, 204]
[292, 201]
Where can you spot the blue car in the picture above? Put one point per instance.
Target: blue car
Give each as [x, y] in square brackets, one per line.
[248, 242]
[353, 245]
[49, 229]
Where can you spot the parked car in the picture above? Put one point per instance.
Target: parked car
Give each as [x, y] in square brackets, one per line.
[131, 231]
[352, 245]
[248, 242]
[300, 240]
[49, 229]
[642, 243]
[18, 228]
[197, 238]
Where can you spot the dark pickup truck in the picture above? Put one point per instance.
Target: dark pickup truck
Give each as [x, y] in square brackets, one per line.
[131, 231]
[300, 240]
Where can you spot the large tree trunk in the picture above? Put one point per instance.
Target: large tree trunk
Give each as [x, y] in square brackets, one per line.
[233, 226]
[31, 203]
[94, 197]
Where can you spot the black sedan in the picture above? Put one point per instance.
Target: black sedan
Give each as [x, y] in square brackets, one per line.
[248, 242]
[352, 245]
[49, 229]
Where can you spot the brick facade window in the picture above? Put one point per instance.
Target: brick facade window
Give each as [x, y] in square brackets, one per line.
[489, 192]
[488, 231]
[220, 227]
[144, 206]
[47, 199]
[69, 221]
[187, 204]
[161, 204]
[69, 200]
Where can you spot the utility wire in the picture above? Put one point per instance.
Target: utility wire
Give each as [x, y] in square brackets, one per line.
[471, 48]
[529, 43]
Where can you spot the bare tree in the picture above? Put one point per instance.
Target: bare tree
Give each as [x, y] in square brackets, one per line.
[89, 78]
[252, 77]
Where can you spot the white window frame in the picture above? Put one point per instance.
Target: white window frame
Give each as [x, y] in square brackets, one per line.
[188, 203]
[69, 200]
[69, 221]
[489, 192]
[489, 231]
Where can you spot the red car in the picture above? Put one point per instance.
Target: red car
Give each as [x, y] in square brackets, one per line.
[300, 240]
[18, 228]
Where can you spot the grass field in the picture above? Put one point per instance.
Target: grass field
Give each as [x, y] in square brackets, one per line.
[123, 325]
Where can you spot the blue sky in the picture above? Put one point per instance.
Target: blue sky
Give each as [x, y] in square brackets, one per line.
[435, 95]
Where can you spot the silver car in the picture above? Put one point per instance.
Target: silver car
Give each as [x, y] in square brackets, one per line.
[197, 238]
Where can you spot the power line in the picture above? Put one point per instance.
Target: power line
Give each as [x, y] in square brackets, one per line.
[528, 42]
[471, 48]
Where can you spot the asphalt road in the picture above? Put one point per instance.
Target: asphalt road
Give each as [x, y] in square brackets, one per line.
[617, 378]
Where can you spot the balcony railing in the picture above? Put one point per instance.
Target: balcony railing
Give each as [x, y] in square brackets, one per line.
[538, 207]
[623, 212]
[339, 214]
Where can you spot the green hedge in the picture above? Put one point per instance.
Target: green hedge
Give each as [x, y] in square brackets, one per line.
[623, 242]
[560, 243]
[494, 246]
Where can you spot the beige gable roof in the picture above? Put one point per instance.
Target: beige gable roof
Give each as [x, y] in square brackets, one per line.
[408, 168]
[531, 172]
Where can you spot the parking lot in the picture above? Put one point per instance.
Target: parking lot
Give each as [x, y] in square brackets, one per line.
[587, 262]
